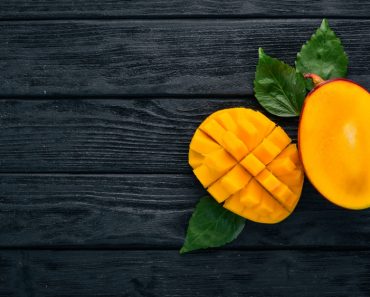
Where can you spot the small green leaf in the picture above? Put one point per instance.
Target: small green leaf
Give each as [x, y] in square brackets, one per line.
[323, 54]
[309, 84]
[211, 225]
[278, 86]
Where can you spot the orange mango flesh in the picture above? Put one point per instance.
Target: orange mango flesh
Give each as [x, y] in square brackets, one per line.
[334, 141]
[247, 163]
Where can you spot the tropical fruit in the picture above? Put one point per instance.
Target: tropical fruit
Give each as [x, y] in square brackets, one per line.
[334, 141]
[248, 163]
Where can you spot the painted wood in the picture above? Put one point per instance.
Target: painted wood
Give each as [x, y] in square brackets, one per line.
[124, 136]
[95, 191]
[157, 57]
[18, 9]
[151, 211]
[167, 274]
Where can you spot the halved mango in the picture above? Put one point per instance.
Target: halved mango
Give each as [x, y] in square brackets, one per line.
[251, 166]
[334, 142]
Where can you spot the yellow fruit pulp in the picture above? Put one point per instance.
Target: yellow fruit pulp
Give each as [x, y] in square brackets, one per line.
[247, 163]
[334, 140]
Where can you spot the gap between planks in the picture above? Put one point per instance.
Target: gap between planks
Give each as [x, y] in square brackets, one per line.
[95, 174]
[166, 248]
[180, 17]
[219, 97]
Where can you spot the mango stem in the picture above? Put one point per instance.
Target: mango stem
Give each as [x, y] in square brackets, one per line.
[315, 78]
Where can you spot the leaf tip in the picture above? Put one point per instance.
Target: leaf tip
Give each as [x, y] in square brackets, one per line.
[324, 25]
[183, 250]
[261, 53]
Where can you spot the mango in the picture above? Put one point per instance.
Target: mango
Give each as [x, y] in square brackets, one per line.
[334, 141]
[247, 163]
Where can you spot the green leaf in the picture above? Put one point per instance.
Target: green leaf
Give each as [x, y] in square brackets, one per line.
[309, 84]
[323, 54]
[278, 86]
[211, 225]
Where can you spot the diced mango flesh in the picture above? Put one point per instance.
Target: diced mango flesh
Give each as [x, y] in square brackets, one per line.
[219, 161]
[252, 164]
[248, 134]
[247, 163]
[206, 175]
[234, 145]
[266, 151]
[235, 179]
[218, 191]
[268, 180]
[251, 195]
[290, 152]
[227, 122]
[202, 143]
[214, 130]
[279, 138]
[233, 204]
[281, 166]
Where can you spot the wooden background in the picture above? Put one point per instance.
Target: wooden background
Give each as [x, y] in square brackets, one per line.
[98, 102]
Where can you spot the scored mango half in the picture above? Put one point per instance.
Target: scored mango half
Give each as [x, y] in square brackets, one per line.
[248, 163]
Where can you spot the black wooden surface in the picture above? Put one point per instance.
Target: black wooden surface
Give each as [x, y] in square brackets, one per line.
[156, 57]
[106, 135]
[165, 273]
[37, 9]
[151, 211]
[98, 102]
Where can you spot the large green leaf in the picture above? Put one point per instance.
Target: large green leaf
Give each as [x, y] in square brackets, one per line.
[278, 86]
[211, 225]
[323, 54]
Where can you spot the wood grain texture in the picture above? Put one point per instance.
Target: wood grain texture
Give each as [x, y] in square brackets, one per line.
[151, 211]
[78, 176]
[157, 57]
[129, 136]
[167, 274]
[126, 8]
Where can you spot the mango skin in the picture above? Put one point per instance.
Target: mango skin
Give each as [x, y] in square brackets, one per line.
[334, 142]
[248, 164]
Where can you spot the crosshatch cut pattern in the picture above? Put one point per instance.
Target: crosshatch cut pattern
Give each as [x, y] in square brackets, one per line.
[246, 161]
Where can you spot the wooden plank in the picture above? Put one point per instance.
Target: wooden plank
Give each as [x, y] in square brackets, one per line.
[130, 136]
[156, 57]
[166, 273]
[126, 8]
[151, 211]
